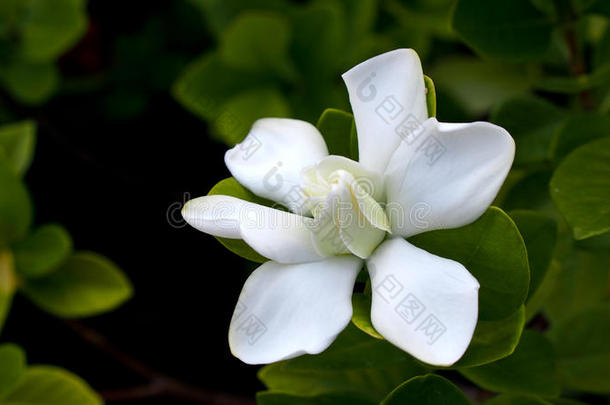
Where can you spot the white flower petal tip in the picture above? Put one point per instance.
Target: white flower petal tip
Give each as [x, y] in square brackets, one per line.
[276, 235]
[424, 304]
[386, 93]
[270, 159]
[285, 311]
[446, 175]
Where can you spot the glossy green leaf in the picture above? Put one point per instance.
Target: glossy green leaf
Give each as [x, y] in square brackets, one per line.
[492, 249]
[582, 343]
[231, 187]
[540, 297]
[335, 126]
[17, 145]
[539, 233]
[239, 112]
[12, 361]
[51, 27]
[580, 283]
[516, 399]
[493, 340]
[531, 121]
[30, 83]
[427, 390]
[580, 189]
[511, 30]
[257, 41]
[86, 284]
[355, 363]
[578, 130]
[274, 398]
[43, 251]
[47, 385]
[15, 206]
[476, 85]
[531, 369]
[361, 317]
[430, 96]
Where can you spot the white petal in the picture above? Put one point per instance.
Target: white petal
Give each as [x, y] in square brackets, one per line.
[269, 160]
[386, 92]
[277, 235]
[446, 175]
[422, 303]
[288, 310]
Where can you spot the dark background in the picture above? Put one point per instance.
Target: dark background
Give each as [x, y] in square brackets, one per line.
[116, 181]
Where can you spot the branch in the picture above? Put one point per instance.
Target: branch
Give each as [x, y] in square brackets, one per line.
[159, 384]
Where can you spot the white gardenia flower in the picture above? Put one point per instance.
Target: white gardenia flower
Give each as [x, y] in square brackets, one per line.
[415, 174]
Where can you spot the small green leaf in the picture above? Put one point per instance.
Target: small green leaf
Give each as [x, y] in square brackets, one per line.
[47, 385]
[17, 145]
[493, 340]
[492, 249]
[12, 359]
[530, 369]
[275, 398]
[8, 284]
[539, 233]
[335, 126]
[530, 192]
[531, 121]
[43, 251]
[355, 363]
[50, 28]
[580, 189]
[231, 187]
[257, 41]
[15, 207]
[512, 30]
[430, 96]
[361, 304]
[353, 142]
[516, 399]
[86, 284]
[582, 343]
[30, 83]
[426, 390]
[578, 130]
[541, 296]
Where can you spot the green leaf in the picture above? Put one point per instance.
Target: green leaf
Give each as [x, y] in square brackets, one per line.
[355, 363]
[43, 251]
[430, 96]
[274, 398]
[530, 369]
[86, 284]
[580, 189]
[516, 399]
[12, 359]
[581, 283]
[531, 121]
[361, 305]
[239, 112]
[427, 390]
[493, 340]
[578, 130]
[258, 42]
[539, 233]
[17, 145]
[231, 187]
[336, 126]
[353, 142]
[512, 30]
[476, 85]
[530, 192]
[8, 284]
[47, 385]
[541, 296]
[50, 28]
[30, 83]
[207, 83]
[492, 249]
[15, 206]
[582, 343]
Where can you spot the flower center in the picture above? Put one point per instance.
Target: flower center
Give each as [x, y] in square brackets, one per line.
[343, 198]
